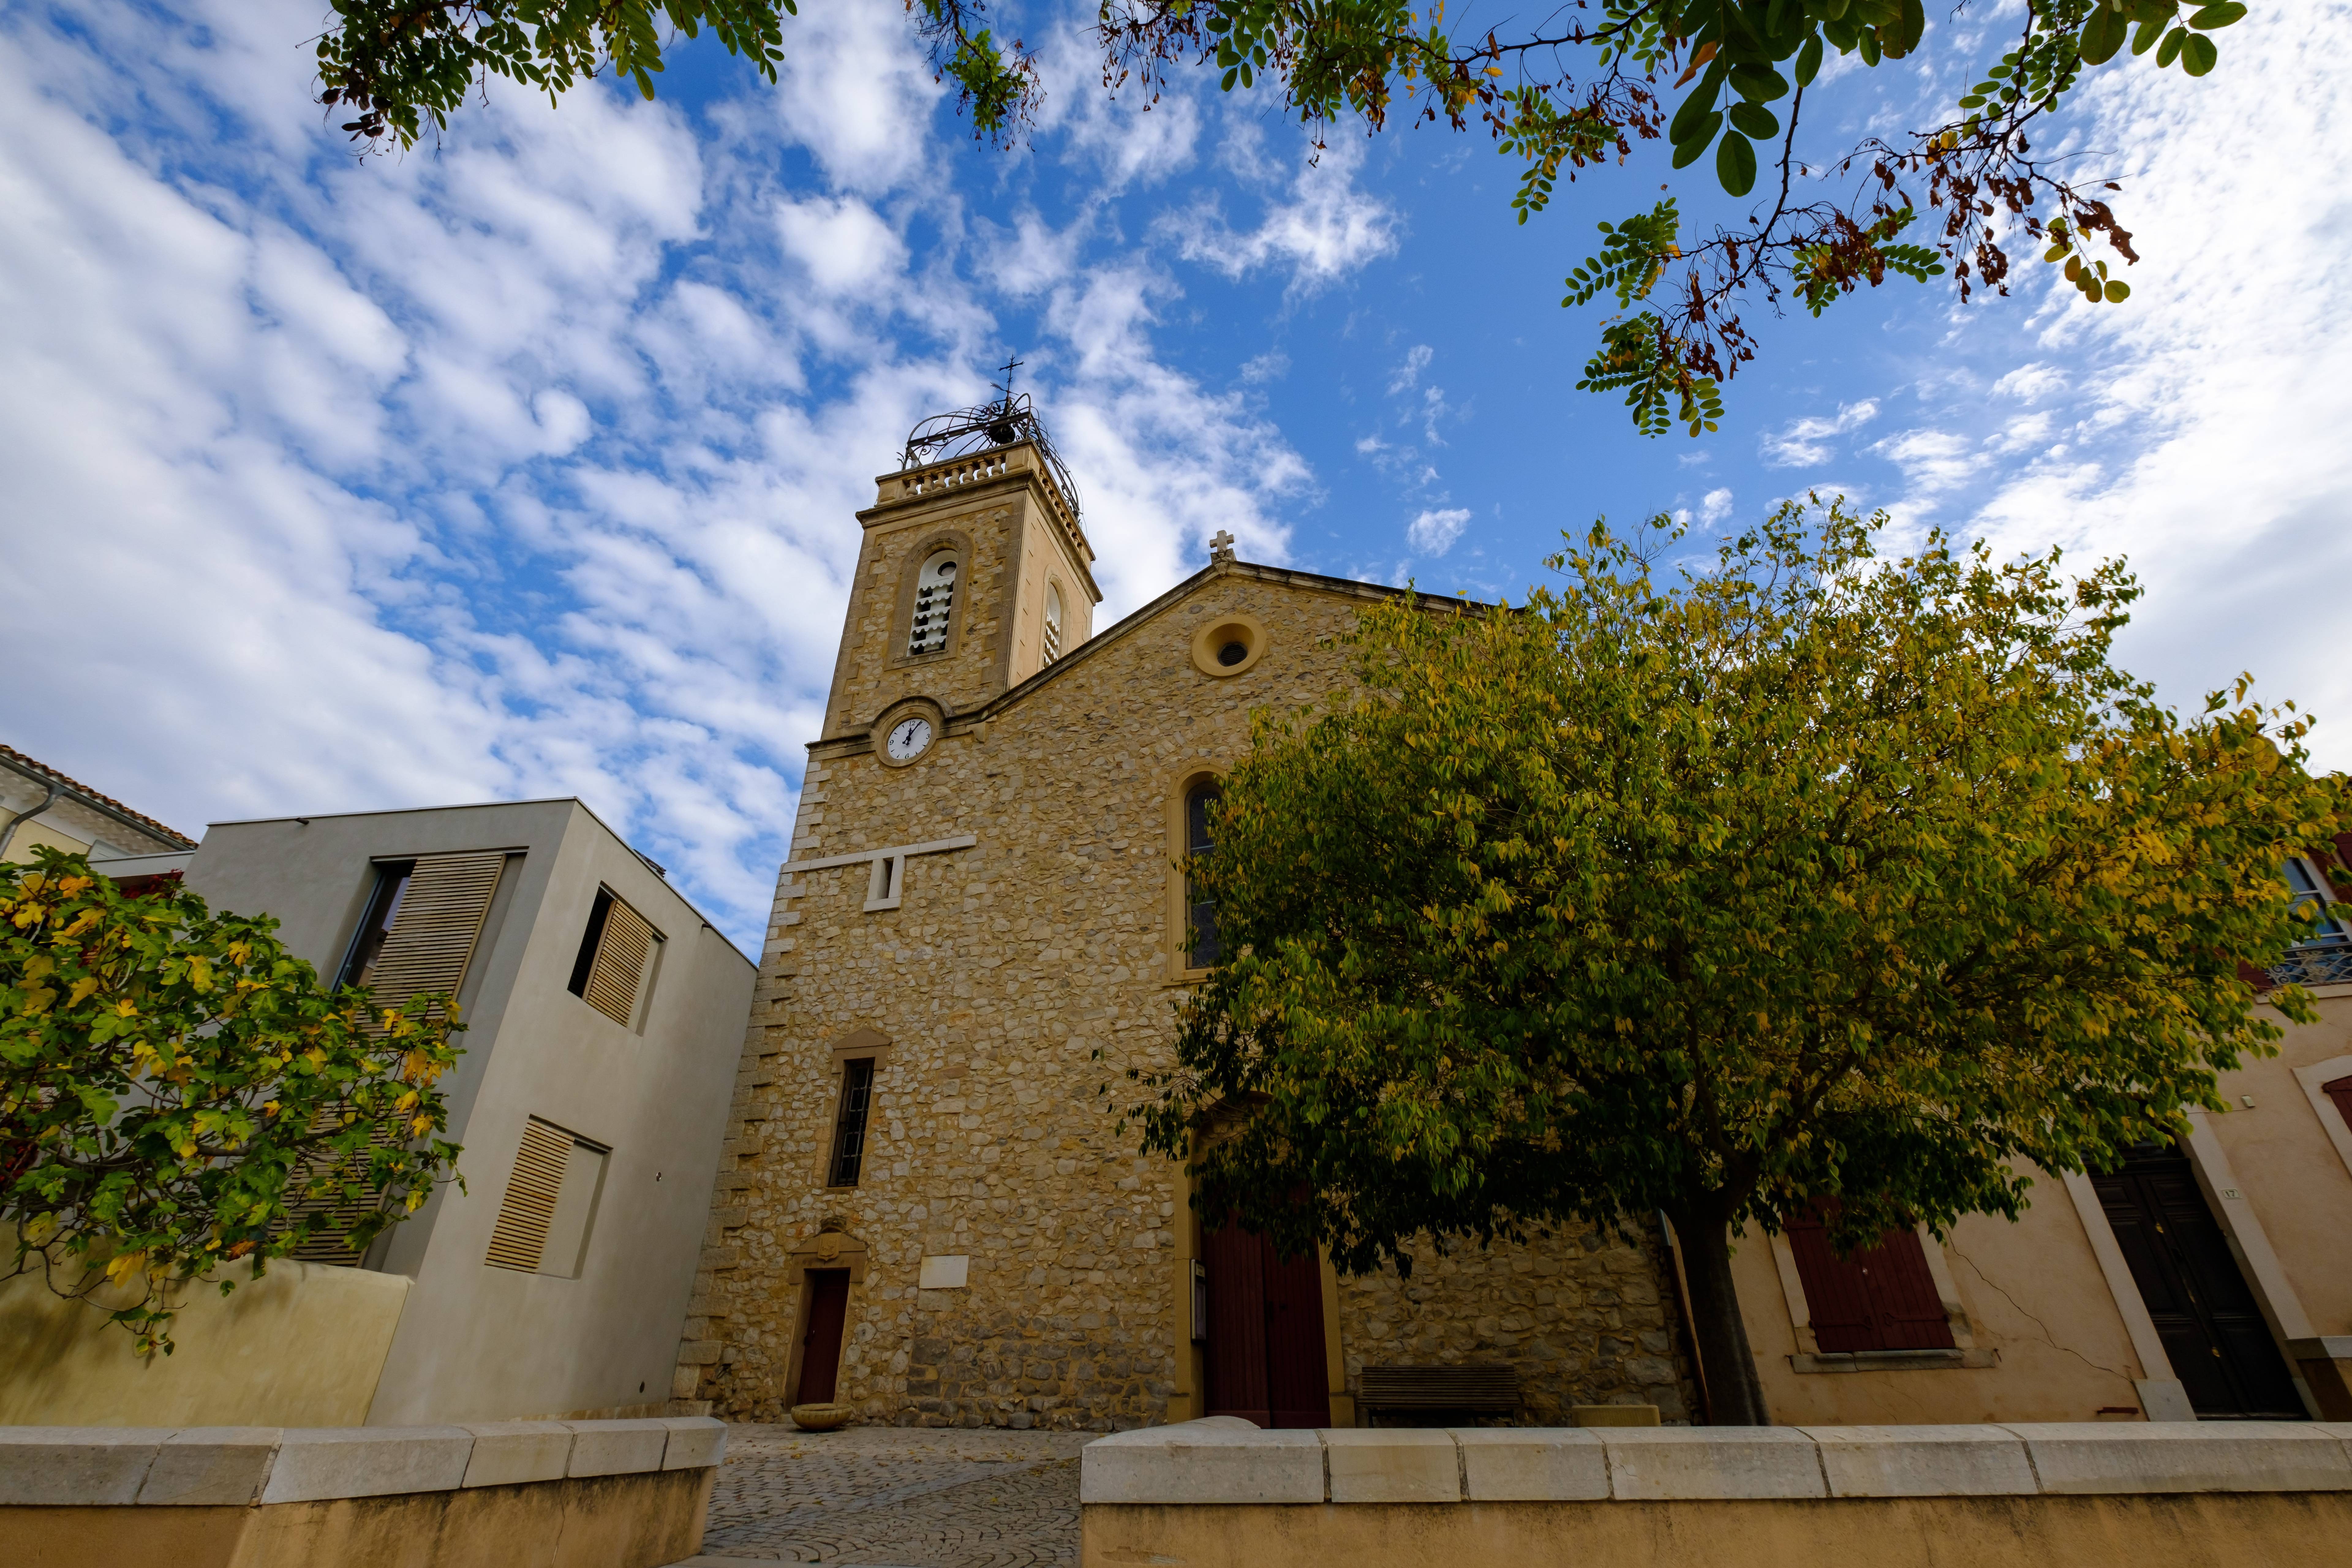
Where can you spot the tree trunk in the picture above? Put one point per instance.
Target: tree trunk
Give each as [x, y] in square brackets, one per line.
[1735, 1396]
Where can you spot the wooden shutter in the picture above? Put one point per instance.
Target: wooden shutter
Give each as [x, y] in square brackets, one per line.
[2340, 1091]
[440, 918]
[620, 963]
[520, 1239]
[1875, 1299]
[332, 1244]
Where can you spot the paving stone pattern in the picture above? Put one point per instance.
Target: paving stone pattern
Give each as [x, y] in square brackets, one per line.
[885, 1497]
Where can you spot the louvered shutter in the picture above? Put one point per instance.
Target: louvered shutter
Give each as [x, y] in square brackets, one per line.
[430, 943]
[433, 936]
[620, 963]
[520, 1239]
[332, 1244]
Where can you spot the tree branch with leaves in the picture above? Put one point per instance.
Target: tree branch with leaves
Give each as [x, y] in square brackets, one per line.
[1724, 81]
[178, 1091]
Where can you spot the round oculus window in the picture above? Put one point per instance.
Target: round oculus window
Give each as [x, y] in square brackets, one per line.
[1233, 653]
[1231, 644]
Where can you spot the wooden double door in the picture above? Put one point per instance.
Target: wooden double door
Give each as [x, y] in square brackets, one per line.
[1264, 1348]
[2207, 1317]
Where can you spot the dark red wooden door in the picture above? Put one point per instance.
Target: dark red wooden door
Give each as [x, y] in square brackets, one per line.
[821, 1336]
[1264, 1353]
[1875, 1298]
[1298, 1383]
[1236, 1347]
[2210, 1323]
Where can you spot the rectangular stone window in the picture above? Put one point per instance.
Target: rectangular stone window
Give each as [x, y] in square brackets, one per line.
[849, 1126]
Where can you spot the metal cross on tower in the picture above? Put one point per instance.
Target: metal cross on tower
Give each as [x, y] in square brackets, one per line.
[1011, 364]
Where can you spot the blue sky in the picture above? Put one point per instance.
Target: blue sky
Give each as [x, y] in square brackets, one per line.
[525, 465]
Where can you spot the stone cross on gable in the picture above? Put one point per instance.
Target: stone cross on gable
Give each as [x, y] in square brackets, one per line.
[1221, 546]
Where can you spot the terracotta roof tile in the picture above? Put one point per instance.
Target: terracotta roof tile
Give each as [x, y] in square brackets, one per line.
[178, 838]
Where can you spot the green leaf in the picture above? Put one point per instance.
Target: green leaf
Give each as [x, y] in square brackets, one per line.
[2217, 16]
[2169, 49]
[1687, 152]
[1756, 120]
[2117, 291]
[1759, 84]
[1695, 109]
[2149, 32]
[2103, 34]
[2198, 55]
[1809, 60]
[1735, 163]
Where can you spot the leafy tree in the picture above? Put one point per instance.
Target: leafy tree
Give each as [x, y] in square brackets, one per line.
[1814, 876]
[1576, 88]
[177, 1090]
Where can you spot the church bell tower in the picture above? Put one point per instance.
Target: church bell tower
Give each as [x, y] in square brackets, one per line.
[974, 572]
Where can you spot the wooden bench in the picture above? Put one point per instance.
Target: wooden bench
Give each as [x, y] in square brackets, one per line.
[1475, 1389]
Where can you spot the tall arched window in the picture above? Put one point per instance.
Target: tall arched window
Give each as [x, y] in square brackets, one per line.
[1052, 623]
[1201, 913]
[934, 588]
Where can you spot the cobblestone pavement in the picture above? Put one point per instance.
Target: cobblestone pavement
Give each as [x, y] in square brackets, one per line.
[897, 1497]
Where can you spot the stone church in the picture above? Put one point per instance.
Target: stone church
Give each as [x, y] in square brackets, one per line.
[925, 1210]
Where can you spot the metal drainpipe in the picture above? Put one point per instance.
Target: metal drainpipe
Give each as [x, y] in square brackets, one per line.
[8, 833]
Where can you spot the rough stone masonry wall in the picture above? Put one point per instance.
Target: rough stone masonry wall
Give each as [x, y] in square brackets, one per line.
[1006, 968]
[1579, 1313]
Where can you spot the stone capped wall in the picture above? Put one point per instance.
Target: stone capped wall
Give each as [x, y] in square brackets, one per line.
[1006, 968]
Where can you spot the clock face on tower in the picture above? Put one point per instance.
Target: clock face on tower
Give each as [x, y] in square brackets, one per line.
[909, 739]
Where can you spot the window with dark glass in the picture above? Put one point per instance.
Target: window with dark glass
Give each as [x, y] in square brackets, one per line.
[590, 940]
[392, 878]
[849, 1127]
[1201, 913]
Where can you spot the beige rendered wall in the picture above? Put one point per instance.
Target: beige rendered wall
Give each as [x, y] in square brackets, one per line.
[477, 1342]
[301, 1346]
[2293, 1173]
[2243, 1529]
[2032, 1295]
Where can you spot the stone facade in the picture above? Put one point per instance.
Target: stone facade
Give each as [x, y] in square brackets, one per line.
[1002, 987]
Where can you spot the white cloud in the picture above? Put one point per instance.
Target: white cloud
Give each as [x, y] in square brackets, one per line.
[1804, 442]
[1325, 230]
[495, 470]
[2031, 383]
[1433, 532]
[1932, 460]
[1715, 506]
[1416, 360]
[847, 248]
[2200, 430]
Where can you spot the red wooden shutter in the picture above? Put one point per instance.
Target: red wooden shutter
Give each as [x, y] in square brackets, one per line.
[1875, 1299]
[2340, 1091]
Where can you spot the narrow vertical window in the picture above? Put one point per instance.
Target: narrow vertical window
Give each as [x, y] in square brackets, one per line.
[849, 1127]
[392, 878]
[1052, 623]
[934, 588]
[1201, 913]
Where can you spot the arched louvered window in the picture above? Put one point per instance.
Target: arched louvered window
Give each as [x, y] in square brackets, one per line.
[1052, 623]
[935, 590]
